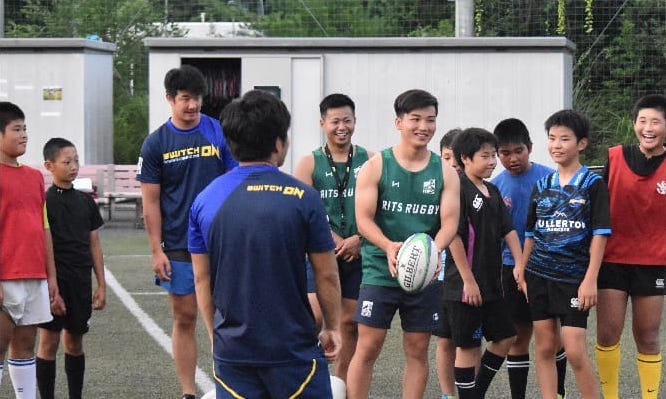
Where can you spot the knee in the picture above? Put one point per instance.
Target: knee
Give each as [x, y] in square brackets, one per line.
[648, 343]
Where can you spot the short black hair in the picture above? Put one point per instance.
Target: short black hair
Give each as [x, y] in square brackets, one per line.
[654, 101]
[252, 123]
[9, 112]
[413, 99]
[336, 100]
[469, 141]
[186, 78]
[448, 138]
[512, 131]
[53, 146]
[577, 121]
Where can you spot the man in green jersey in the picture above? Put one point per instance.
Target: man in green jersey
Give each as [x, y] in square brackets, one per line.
[403, 190]
[332, 170]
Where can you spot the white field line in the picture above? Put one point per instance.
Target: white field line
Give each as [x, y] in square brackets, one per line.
[204, 383]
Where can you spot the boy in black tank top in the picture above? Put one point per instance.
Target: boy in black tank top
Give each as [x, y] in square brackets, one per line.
[403, 190]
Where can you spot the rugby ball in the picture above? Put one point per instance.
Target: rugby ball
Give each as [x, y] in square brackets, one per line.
[417, 262]
[210, 395]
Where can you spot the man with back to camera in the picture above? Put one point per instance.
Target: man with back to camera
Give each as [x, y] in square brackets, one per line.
[249, 233]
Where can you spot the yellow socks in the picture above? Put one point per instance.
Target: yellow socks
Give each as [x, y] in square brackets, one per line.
[649, 372]
[608, 364]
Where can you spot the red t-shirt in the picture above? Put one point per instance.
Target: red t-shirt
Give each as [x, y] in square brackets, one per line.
[22, 246]
[638, 214]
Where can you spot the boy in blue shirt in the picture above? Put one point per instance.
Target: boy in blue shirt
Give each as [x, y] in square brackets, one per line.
[514, 147]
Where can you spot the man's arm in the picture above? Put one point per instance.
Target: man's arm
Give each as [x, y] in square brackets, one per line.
[201, 268]
[99, 297]
[152, 216]
[367, 192]
[327, 281]
[449, 207]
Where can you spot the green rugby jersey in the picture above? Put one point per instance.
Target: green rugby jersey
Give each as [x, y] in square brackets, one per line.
[407, 203]
[327, 185]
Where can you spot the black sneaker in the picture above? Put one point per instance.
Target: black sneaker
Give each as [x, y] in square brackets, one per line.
[188, 396]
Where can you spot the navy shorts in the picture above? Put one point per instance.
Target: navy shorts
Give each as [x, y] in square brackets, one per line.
[515, 299]
[418, 312]
[554, 300]
[305, 381]
[75, 287]
[633, 279]
[350, 278]
[443, 329]
[490, 320]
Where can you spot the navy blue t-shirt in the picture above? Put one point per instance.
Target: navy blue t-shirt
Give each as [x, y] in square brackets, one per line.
[256, 224]
[562, 221]
[182, 162]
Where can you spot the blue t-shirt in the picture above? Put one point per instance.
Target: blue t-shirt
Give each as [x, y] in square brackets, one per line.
[516, 190]
[256, 224]
[182, 162]
[562, 221]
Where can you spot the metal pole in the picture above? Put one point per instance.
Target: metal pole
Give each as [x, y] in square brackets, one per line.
[464, 18]
[2, 18]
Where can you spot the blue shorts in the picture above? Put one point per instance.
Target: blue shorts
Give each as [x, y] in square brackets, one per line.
[307, 381]
[350, 278]
[418, 312]
[182, 279]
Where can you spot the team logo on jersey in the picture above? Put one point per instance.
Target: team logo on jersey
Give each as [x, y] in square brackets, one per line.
[659, 283]
[435, 316]
[559, 214]
[429, 186]
[395, 183]
[661, 187]
[477, 203]
[575, 303]
[366, 309]
[574, 202]
[329, 174]
[356, 170]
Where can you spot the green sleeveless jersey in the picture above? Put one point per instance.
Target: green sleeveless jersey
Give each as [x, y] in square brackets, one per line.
[407, 203]
[327, 185]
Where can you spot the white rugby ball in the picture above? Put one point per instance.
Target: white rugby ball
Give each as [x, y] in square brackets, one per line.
[338, 388]
[210, 395]
[417, 262]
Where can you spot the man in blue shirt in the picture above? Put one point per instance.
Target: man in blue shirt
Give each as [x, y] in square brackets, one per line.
[177, 161]
[249, 233]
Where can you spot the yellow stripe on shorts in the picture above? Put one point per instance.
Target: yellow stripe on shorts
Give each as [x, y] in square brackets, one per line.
[307, 380]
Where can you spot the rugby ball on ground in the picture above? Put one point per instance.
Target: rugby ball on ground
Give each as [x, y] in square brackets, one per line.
[417, 262]
[338, 388]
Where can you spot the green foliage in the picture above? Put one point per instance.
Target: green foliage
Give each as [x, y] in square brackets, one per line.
[130, 126]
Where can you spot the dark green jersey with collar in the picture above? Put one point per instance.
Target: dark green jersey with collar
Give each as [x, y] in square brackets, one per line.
[327, 185]
[407, 203]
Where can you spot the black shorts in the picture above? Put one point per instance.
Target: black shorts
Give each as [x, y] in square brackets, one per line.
[515, 299]
[350, 278]
[443, 329]
[75, 287]
[554, 300]
[490, 320]
[632, 279]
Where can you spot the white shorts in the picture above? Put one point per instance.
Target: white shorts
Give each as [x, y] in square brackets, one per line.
[26, 301]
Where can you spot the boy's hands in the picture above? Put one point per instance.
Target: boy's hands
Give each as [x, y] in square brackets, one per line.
[392, 257]
[472, 293]
[348, 249]
[99, 298]
[161, 266]
[57, 303]
[587, 294]
[519, 276]
[331, 343]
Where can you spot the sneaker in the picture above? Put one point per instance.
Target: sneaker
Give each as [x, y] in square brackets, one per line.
[560, 396]
[188, 396]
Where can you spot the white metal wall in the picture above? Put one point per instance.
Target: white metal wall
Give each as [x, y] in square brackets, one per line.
[477, 82]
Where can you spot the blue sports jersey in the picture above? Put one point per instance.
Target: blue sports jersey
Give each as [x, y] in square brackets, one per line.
[516, 191]
[562, 221]
[256, 224]
[182, 162]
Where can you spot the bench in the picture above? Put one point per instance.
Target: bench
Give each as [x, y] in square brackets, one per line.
[118, 184]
